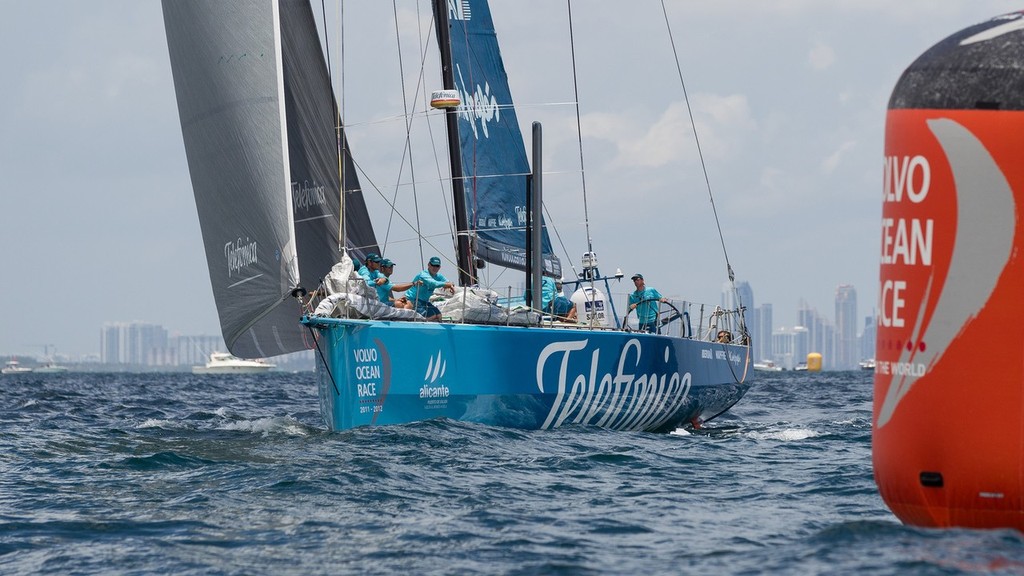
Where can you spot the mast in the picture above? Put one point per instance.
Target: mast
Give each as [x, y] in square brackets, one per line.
[463, 248]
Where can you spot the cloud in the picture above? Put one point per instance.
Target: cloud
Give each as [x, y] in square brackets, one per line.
[892, 12]
[832, 161]
[662, 141]
[771, 178]
[821, 56]
[722, 123]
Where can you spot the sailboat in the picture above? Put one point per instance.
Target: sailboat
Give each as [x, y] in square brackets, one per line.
[284, 224]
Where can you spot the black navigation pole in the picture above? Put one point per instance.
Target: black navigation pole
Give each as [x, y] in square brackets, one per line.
[463, 246]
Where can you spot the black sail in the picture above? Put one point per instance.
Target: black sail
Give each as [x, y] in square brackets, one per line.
[312, 115]
[258, 122]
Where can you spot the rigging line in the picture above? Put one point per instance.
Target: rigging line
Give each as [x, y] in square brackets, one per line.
[700, 152]
[371, 184]
[324, 360]
[407, 149]
[427, 112]
[414, 228]
[339, 147]
[551, 225]
[327, 41]
[339, 11]
[415, 196]
[470, 230]
[409, 117]
[579, 129]
[486, 176]
[426, 109]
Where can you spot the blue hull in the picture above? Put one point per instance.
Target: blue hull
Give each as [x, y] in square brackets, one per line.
[378, 372]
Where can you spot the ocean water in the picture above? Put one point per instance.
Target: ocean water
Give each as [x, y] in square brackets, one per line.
[182, 474]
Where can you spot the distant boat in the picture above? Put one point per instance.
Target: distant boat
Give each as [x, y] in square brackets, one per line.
[225, 363]
[51, 368]
[767, 366]
[801, 367]
[12, 367]
[868, 364]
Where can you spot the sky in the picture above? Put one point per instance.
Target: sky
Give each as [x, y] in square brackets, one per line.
[98, 223]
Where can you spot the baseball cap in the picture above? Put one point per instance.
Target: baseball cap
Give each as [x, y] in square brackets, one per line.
[637, 275]
[435, 261]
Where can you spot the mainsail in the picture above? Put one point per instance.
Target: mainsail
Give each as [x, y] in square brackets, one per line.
[258, 116]
[494, 161]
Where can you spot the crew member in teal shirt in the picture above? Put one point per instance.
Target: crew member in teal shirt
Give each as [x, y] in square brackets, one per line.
[645, 301]
[387, 267]
[370, 271]
[423, 285]
[547, 293]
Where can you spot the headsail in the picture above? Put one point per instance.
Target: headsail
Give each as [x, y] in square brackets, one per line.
[494, 160]
[245, 130]
[312, 115]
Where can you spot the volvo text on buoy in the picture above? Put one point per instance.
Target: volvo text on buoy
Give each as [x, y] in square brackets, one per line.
[948, 445]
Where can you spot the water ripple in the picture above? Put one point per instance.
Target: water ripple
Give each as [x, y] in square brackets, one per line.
[161, 473]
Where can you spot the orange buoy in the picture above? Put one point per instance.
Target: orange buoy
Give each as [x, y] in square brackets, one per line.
[948, 444]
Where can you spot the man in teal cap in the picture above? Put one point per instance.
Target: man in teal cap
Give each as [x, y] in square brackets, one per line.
[370, 271]
[423, 285]
[645, 301]
[384, 290]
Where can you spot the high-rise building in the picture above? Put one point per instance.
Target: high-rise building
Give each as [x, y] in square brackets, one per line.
[820, 334]
[847, 349]
[148, 345]
[790, 346]
[132, 343]
[111, 337]
[763, 336]
[867, 338]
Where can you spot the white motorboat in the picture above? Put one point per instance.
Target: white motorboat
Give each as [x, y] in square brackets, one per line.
[51, 368]
[767, 366]
[12, 367]
[226, 363]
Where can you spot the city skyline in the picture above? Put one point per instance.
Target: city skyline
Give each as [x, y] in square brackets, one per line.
[838, 340]
[843, 341]
[135, 346]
